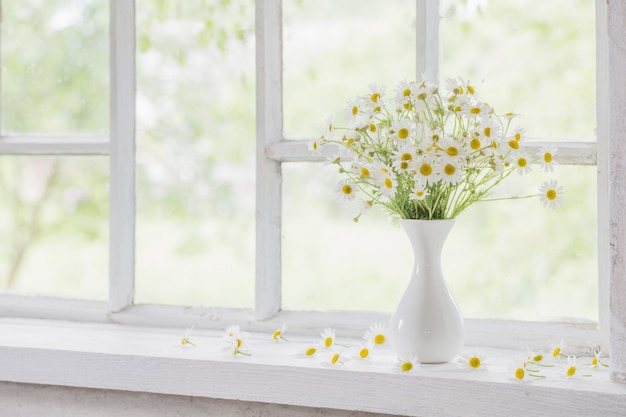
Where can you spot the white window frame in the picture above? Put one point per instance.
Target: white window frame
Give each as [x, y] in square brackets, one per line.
[272, 150]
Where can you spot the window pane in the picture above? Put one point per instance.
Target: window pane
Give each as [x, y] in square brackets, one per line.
[54, 226]
[195, 153]
[334, 49]
[532, 57]
[55, 66]
[503, 259]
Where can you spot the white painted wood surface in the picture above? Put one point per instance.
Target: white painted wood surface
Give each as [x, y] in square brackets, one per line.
[269, 127]
[54, 144]
[602, 163]
[152, 360]
[122, 159]
[427, 39]
[617, 190]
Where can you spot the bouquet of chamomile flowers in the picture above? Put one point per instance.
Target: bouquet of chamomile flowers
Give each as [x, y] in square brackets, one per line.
[425, 154]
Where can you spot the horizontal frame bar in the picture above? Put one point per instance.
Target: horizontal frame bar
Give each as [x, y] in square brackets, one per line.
[54, 145]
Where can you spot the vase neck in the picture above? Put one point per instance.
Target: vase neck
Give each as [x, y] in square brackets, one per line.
[427, 239]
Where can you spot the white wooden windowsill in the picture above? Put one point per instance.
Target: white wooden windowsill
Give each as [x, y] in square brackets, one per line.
[108, 356]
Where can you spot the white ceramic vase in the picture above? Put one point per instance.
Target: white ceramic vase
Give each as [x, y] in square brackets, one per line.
[427, 322]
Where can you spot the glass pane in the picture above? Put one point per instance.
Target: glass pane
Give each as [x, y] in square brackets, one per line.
[55, 66]
[532, 57]
[54, 226]
[503, 259]
[334, 49]
[195, 153]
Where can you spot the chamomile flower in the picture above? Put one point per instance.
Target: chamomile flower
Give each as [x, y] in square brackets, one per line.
[185, 340]
[551, 194]
[408, 365]
[403, 157]
[519, 133]
[451, 172]
[310, 351]
[336, 357]
[387, 185]
[350, 137]
[450, 150]
[362, 170]
[346, 190]
[596, 361]
[327, 132]
[353, 109]
[328, 338]
[279, 334]
[401, 130]
[490, 129]
[419, 192]
[315, 146]
[536, 358]
[477, 140]
[521, 163]
[476, 109]
[557, 349]
[425, 170]
[236, 341]
[363, 351]
[375, 95]
[377, 334]
[571, 369]
[474, 360]
[546, 158]
[405, 91]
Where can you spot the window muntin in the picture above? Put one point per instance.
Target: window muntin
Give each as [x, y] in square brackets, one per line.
[195, 154]
[55, 66]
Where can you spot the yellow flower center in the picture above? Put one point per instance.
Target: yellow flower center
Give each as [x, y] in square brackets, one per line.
[551, 195]
[406, 366]
[475, 144]
[474, 362]
[346, 189]
[521, 162]
[518, 136]
[426, 170]
[388, 183]
[335, 358]
[372, 127]
[452, 151]
[475, 110]
[547, 157]
[379, 339]
[519, 373]
[328, 342]
[571, 371]
[557, 351]
[350, 141]
[422, 96]
[538, 358]
[406, 92]
[457, 109]
[355, 110]
[330, 127]
[364, 353]
[461, 90]
[374, 97]
[377, 109]
[514, 144]
[404, 166]
[406, 156]
[487, 131]
[310, 351]
[184, 341]
[276, 334]
[403, 133]
[239, 343]
[470, 89]
[315, 146]
[365, 172]
[449, 169]
[594, 362]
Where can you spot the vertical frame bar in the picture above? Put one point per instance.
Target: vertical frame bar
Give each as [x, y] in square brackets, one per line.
[122, 156]
[617, 188]
[427, 39]
[269, 127]
[602, 164]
